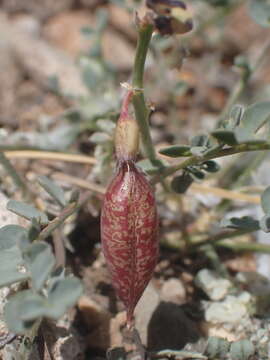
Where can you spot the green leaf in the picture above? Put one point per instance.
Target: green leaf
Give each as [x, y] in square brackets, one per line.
[22, 307]
[200, 140]
[265, 200]
[198, 150]
[255, 117]
[117, 353]
[87, 31]
[211, 166]
[40, 262]
[265, 223]
[99, 138]
[245, 223]
[218, 2]
[34, 230]
[11, 235]
[244, 138]
[176, 151]
[53, 189]
[217, 347]
[27, 211]
[181, 183]
[150, 167]
[12, 267]
[106, 125]
[236, 115]
[62, 295]
[102, 18]
[242, 61]
[226, 136]
[260, 12]
[196, 174]
[242, 350]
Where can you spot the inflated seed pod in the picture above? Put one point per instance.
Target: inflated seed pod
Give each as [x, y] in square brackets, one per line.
[129, 222]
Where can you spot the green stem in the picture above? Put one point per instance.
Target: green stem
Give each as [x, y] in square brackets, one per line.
[141, 110]
[253, 247]
[228, 234]
[218, 241]
[67, 211]
[212, 154]
[211, 254]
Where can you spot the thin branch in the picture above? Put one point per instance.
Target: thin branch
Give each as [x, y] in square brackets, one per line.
[80, 182]
[67, 211]
[224, 235]
[249, 246]
[50, 155]
[225, 194]
[212, 154]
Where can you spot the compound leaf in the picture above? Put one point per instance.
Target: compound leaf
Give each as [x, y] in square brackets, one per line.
[40, 261]
[27, 211]
[53, 189]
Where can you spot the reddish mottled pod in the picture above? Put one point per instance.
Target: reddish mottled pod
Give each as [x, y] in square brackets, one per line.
[129, 220]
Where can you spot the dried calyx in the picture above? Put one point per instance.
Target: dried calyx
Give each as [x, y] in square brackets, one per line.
[129, 221]
[126, 133]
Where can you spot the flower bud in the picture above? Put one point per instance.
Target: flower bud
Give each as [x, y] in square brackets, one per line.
[171, 16]
[129, 226]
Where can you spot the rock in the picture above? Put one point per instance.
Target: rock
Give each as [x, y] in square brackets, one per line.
[116, 325]
[97, 321]
[259, 287]
[170, 328]
[243, 36]
[62, 339]
[64, 31]
[173, 291]
[231, 310]
[122, 20]
[144, 310]
[27, 23]
[9, 80]
[7, 217]
[41, 9]
[118, 51]
[40, 60]
[92, 3]
[215, 287]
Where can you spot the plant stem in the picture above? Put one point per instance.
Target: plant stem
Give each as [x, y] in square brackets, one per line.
[211, 254]
[253, 247]
[228, 234]
[218, 241]
[211, 154]
[141, 111]
[67, 211]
